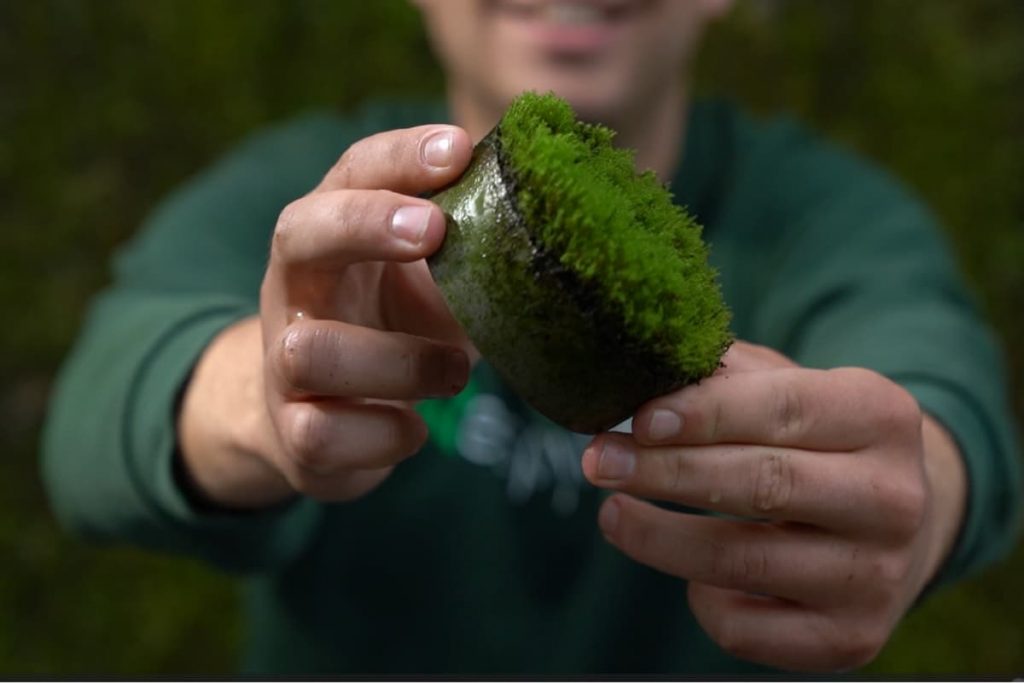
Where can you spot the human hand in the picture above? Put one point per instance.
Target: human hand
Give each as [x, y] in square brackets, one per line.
[844, 502]
[316, 396]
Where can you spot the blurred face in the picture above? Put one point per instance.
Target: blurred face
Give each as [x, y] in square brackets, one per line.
[606, 57]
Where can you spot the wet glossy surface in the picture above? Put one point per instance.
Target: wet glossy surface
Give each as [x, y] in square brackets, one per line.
[529, 317]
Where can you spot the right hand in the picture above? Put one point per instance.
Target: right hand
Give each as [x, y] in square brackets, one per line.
[317, 396]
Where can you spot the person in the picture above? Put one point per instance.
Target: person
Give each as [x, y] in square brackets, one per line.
[318, 422]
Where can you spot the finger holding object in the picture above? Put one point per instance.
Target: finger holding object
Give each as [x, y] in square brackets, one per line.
[332, 358]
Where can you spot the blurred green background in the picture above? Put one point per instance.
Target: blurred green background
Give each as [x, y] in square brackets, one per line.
[107, 104]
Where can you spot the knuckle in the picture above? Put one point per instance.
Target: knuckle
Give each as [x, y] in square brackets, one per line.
[295, 357]
[864, 378]
[890, 571]
[352, 208]
[914, 509]
[720, 561]
[700, 407]
[396, 439]
[730, 638]
[716, 419]
[772, 483]
[748, 566]
[309, 438]
[856, 376]
[901, 414]
[905, 500]
[636, 538]
[788, 412]
[911, 510]
[675, 475]
[342, 170]
[858, 649]
[405, 152]
[704, 415]
[848, 647]
[898, 412]
[906, 413]
[706, 420]
[308, 356]
[413, 434]
[738, 565]
[304, 483]
[284, 230]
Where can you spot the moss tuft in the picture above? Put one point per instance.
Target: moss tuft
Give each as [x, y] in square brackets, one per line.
[617, 231]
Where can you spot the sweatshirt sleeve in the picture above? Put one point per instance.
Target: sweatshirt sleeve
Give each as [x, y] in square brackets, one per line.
[864, 278]
[193, 269]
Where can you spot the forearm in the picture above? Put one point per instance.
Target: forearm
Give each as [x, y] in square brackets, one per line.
[110, 435]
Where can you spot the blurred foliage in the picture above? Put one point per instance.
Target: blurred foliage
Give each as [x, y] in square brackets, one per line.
[107, 104]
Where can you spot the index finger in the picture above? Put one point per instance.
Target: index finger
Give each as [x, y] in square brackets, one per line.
[409, 161]
[844, 409]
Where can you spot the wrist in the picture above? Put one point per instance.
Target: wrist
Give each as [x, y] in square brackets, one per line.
[946, 474]
[225, 435]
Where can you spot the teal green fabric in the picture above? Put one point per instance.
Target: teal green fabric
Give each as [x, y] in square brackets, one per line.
[481, 554]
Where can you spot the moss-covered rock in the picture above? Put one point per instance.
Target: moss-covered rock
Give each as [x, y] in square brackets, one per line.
[577, 278]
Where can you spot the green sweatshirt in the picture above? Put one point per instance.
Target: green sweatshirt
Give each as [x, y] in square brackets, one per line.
[481, 554]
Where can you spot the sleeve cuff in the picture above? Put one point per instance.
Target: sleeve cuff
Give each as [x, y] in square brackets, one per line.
[241, 542]
[987, 501]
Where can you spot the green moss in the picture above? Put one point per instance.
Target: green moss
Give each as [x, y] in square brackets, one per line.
[618, 232]
[577, 279]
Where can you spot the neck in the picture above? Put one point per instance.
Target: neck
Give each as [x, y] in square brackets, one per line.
[655, 129]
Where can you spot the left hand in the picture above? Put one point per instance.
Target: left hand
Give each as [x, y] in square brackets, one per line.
[849, 500]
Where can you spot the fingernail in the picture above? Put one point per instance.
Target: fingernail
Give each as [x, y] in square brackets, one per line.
[456, 370]
[664, 425]
[608, 518]
[410, 223]
[437, 150]
[615, 461]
